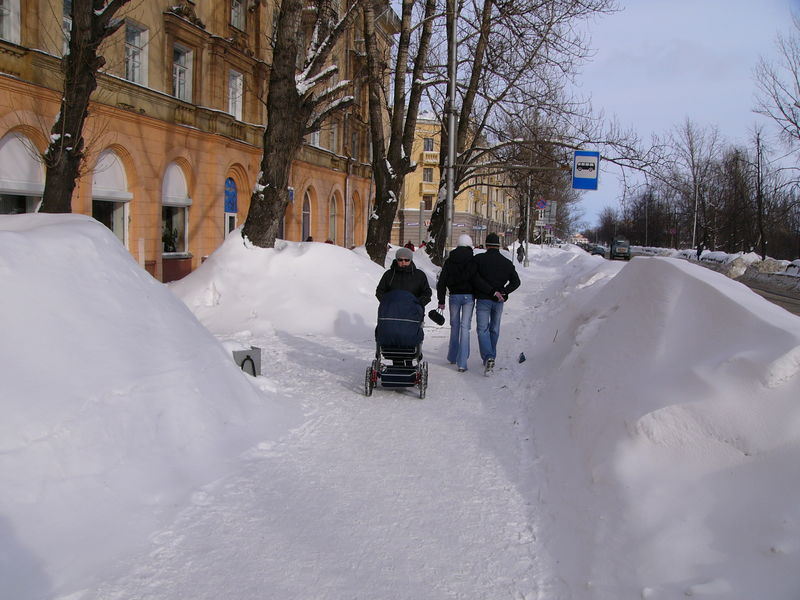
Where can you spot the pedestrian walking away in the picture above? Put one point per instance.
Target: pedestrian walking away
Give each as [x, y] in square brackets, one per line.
[456, 277]
[495, 280]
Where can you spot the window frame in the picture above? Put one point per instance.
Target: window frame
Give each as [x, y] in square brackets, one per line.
[185, 70]
[427, 144]
[238, 15]
[136, 55]
[235, 96]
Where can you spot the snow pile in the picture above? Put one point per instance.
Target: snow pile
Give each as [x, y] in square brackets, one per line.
[242, 289]
[672, 406]
[116, 402]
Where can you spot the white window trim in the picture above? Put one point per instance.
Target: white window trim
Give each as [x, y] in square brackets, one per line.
[10, 30]
[188, 72]
[142, 54]
[235, 94]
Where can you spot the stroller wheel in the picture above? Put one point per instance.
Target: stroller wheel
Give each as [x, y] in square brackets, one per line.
[369, 381]
[422, 378]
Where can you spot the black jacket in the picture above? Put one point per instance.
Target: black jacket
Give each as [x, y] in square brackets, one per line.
[496, 274]
[457, 273]
[409, 278]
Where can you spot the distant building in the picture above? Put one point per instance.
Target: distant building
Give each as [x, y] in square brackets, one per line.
[483, 206]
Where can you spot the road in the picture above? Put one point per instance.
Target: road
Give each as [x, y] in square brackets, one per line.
[785, 298]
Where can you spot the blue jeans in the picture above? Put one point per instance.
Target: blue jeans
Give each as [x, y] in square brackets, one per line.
[488, 315]
[461, 306]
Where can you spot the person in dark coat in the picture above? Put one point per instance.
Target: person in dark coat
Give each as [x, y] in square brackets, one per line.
[457, 277]
[404, 275]
[498, 279]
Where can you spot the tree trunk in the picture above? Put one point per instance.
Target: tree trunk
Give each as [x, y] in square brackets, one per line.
[64, 156]
[283, 136]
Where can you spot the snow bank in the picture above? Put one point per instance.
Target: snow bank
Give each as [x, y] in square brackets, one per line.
[295, 287]
[115, 401]
[669, 386]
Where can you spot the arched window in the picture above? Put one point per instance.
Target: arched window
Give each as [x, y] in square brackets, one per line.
[21, 175]
[231, 205]
[306, 216]
[110, 195]
[175, 203]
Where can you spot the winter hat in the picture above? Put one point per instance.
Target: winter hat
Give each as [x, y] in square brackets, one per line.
[492, 240]
[464, 240]
[404, 253]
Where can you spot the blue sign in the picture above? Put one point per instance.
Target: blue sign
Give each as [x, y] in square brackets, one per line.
[231, 196]
[585, 169]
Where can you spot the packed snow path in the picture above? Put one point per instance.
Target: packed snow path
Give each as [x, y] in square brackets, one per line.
[387, 496]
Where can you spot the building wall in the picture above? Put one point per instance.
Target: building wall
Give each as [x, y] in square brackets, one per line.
[148, 129]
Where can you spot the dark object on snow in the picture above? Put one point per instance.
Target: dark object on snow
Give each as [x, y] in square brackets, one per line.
[400, 318]
[436, 317]
[522, 357]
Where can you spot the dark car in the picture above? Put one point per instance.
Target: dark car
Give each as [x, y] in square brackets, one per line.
[620, 248]
[598, 250]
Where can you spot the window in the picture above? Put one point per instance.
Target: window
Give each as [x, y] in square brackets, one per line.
[306, 233]
[173, 228]
[313, 138]
[175, 204]
[427, 174]
[428, 144]
[110, 195]
[135, 53]
[231, 205]
[235, 92]
[332, 220]
[182, 73]
[428, 202]
[334, 137]
[9, 20]
[354, 145]
[237, 14]
[66, 23]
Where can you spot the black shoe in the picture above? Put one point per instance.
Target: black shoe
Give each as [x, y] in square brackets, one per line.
[489, 367]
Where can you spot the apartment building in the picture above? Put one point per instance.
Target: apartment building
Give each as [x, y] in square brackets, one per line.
[484, 204]
[175, 128]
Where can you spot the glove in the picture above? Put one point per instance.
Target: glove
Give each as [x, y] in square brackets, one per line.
[499, 296]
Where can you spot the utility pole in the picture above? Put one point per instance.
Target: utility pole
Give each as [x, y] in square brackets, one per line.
[451, 125]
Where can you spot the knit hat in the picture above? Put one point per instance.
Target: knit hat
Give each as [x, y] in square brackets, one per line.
[404, 253]
[464, 240]
[492, 240]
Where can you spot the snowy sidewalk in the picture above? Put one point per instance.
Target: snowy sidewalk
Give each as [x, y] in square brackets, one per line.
[382, 497]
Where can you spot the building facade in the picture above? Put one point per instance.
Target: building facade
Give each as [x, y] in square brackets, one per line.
[483, 205]
[175, 129]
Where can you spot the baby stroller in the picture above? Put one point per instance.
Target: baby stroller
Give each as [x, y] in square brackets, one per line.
[398, 345]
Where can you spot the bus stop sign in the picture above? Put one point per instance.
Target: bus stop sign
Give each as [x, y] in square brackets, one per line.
[585, 168]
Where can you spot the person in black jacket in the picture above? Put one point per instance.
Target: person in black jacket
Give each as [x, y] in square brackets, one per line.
[404, 275]
[498, 278]
[457, 277]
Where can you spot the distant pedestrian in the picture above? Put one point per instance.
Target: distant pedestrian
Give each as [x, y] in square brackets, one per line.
[520, 254]
[409, 245]
[456, 277]
[498, 278]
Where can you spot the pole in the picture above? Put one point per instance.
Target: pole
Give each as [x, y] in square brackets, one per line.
[451, 125]
[527, 222]
[421, 221]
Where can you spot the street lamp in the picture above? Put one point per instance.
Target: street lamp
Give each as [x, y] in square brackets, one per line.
[451, 125]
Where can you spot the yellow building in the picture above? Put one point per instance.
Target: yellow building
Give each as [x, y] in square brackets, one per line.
[175, 129]
[484, 204]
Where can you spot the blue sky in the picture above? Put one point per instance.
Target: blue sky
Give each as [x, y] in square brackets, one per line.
[659, 62]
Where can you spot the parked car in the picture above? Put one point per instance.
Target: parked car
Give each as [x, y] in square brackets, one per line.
[620, 248]
[598, 250]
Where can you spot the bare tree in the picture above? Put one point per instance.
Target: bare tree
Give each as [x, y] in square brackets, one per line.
[779, 86]
[299, 100]
[392, 129]
[92, 22]
[515, 59]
